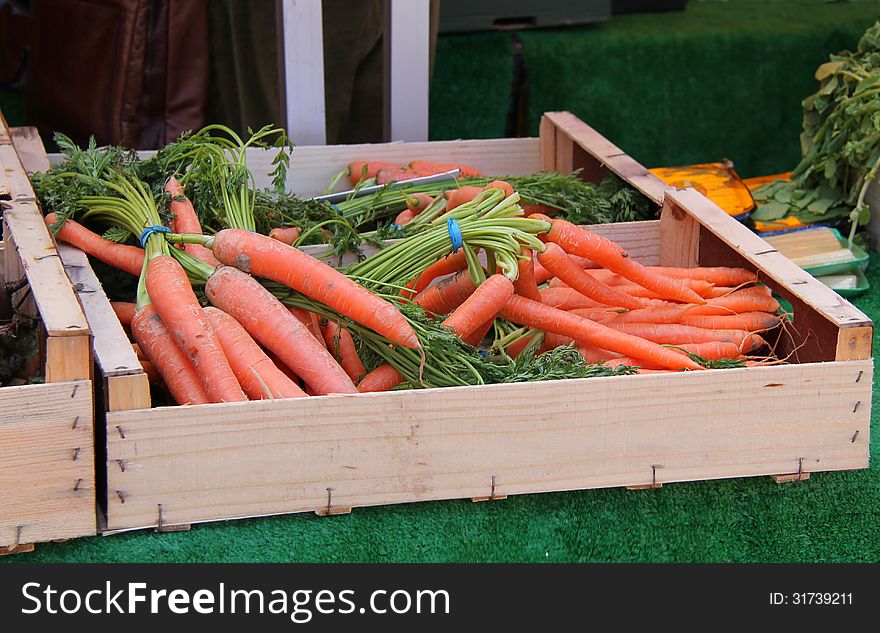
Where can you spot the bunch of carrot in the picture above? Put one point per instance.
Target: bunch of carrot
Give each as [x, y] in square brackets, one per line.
[235, 315]
[384, 172]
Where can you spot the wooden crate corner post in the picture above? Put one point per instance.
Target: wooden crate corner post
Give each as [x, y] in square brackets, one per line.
[47, 468]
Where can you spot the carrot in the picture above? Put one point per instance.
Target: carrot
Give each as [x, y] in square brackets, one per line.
[448, 294]
[273, 326]
[567, 299]
[178, 373]
[517, 347]
[675, 334]
[258, 255]
[537, 315]
[452, 263]
[578, 241]
[555, 260]
[368, 169]
[138, 351]
[426, 168]
[595, 355]
[719, 275]
[654, 314]
[176, 303]
[601, 315]
[288, 234]
[751, 321]
[736, 303]
[700, 286]
[525, 284]
[186, 221]
[713, 350]
[124, 311]
[341, 345]
[542, 275]
[121, 256]
[476, 337]
[383, 378]
[257, 374]
[311, 321]
[395, 174]
[483, 304]
[153, 376]
[500, 184]
[553, 340]
[457, 197]
[418, 202]
[404, 217]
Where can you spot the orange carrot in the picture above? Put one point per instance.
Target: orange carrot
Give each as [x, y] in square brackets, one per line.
[404, 217]
[418, 202]
[537, 315]
[452, 263]
[257, 254]
[311, 321]
[426, 168]
[272, 325]
[457, 197]
[483, 304]
[567, 299]
[121, 256]
[713, 350]
[654, 314]
[124, 311]
[525, 284]
[595, 355]
[288, 234]
[178, 373]
[153, 375]
[186, 221]
[541, 274]
[555, 260]
[257, 374]
[446, 295]
[368, 169]
[517, 347]
[675, 334]
[578, 241]
[383, 378]
[341, 345]
[750, 321]
[176, 303]
[720, 275]
[500, 184]
[138, 351]
[736, 303]
[476, 337]
[553, 340]
[396, 174]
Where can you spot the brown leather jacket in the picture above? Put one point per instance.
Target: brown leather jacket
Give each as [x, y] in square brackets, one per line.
[130, 72]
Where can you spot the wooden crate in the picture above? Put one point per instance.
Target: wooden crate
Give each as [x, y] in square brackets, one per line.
[47, 458]
[169, 467]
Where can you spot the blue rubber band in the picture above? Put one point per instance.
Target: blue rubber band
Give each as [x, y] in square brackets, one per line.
[454, 234]
[398, 227]
[150, 230]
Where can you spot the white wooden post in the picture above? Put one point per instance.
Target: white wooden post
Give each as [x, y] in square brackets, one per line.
[302, 57]
[407, 47]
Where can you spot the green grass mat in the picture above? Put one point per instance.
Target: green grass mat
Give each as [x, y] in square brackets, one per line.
[831, 517]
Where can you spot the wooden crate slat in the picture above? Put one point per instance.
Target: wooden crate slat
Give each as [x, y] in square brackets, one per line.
[30, 149]
[113, 351]
[49, 284]
[828, 326]
[249, 459]
[47, 468]
[578, 146]
[312, 168]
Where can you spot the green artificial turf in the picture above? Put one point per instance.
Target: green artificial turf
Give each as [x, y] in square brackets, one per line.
[830, 517]
[721, 79]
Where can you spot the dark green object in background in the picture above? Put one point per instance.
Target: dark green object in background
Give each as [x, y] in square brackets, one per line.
[720, 79]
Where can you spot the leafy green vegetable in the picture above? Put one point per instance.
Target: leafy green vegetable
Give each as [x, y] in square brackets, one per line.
[840, 143]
